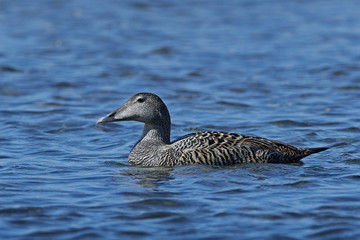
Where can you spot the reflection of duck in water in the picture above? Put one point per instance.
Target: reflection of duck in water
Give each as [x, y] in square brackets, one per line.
[210, 148]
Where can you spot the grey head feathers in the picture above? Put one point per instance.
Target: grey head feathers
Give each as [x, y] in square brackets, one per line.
[142, 107]
[210, 148]
[147, 108]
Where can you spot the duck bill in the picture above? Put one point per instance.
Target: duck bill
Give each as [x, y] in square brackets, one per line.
[117, 115]
[108, 118]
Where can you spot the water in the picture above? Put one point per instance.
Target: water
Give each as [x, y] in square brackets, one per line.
[283, 70]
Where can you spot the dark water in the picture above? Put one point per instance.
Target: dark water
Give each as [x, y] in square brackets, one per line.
[285, 70]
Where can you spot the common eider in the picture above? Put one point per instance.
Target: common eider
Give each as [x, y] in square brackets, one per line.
[210, 148]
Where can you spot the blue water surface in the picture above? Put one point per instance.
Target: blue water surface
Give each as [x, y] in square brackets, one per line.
[284, 70]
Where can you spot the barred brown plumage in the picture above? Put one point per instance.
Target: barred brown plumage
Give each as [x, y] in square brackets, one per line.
[210, 148]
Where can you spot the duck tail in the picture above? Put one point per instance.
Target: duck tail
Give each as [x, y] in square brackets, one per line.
[309, 151]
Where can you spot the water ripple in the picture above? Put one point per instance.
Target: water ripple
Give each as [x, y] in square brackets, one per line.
[287, 71]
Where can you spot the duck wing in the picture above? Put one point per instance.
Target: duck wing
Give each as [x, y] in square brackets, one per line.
[221, 149]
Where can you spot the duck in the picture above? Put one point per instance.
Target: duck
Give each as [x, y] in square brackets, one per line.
[215, 148]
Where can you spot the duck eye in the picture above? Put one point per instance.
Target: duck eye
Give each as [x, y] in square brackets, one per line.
[140, 100]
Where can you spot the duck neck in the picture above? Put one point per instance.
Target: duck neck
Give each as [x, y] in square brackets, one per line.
[160, 133]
